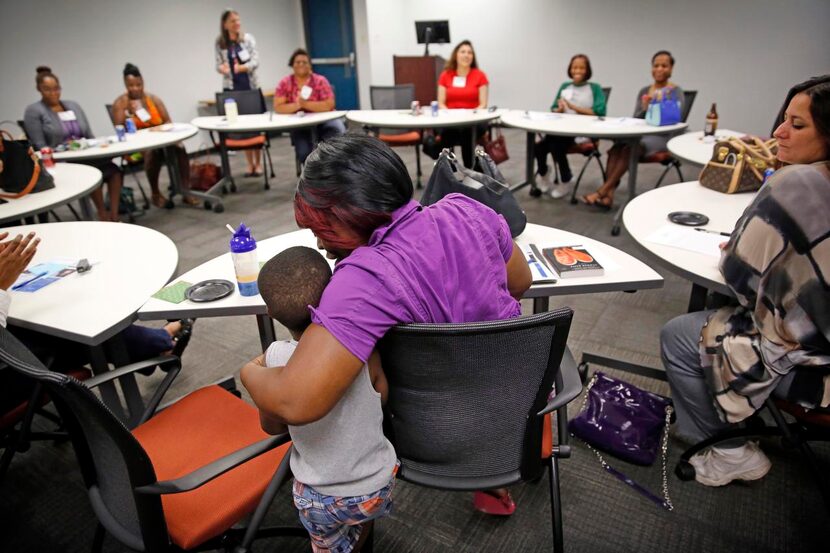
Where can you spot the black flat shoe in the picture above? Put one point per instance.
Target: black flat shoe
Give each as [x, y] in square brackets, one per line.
[183, 337]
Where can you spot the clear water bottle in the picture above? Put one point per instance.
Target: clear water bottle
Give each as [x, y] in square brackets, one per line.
[245, 261]
[231, 111]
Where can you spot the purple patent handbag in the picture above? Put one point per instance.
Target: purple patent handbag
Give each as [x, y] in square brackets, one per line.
[621, 419]
[626, 422]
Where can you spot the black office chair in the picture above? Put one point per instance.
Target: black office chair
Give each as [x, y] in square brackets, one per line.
[468, 403]
[664, 157]
[588, 149]
[398, 97]
[248, 102]
[220, 464]
[132, 165]
[806, 426]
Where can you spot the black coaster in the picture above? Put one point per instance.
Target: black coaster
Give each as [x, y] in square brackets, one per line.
[209, 290]
[688, 218]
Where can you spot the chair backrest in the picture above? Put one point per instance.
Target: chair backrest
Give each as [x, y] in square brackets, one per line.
[112, 461]
[398, 96]
[464, 398]
[110, 114]
[606, 91]
[688, 101]
[248, 102]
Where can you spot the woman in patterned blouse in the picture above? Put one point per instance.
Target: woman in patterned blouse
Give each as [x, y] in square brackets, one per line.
[722, 365]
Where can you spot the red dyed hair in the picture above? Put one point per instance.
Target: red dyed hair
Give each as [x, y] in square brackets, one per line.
[339, 225]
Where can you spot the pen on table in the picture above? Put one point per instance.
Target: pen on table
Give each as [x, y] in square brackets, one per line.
[531, 260]
[24, 283]
[713, 231]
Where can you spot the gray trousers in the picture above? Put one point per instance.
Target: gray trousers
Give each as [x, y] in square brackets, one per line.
[694, 403]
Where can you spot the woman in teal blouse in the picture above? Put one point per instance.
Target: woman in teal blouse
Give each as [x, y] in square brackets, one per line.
[575, 96]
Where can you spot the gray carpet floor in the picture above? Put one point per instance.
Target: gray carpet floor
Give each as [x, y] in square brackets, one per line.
[44, 505]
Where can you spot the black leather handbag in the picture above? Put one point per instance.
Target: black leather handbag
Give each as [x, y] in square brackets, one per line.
[449, 177]
[21, 171]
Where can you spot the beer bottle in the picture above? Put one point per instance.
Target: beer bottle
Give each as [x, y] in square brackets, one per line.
[711, 121]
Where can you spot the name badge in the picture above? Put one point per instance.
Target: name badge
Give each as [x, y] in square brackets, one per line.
[143, 115]
[305, 92]
[67, 115]
[242, 55]
[459, 82]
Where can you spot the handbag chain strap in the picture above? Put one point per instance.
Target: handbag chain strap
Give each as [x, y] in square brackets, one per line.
[666, 502]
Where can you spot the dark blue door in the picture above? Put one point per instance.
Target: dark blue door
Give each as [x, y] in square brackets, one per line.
[329, 31]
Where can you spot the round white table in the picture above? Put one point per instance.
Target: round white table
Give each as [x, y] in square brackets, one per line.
[72, 182]
[261, 122]
[129, 264]
[623, 272]
[403, 119]
[264, 122]
[623, 129]
[691, 147]
[161, 137]
[648, 213]
[140, 141]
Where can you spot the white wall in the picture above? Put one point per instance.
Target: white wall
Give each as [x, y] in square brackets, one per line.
[87, 43]
[743, 54]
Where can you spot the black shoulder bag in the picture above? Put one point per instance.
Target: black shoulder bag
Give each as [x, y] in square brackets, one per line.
[449, 177]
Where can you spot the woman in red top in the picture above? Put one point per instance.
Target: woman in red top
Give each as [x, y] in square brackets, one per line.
[462, 85]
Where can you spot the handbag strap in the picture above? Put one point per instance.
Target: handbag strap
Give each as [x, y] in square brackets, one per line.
[665, 502]
[35, 173]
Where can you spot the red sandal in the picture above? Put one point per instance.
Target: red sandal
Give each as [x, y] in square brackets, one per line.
[491, 504]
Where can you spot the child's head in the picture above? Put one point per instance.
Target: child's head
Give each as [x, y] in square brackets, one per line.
[290, 282]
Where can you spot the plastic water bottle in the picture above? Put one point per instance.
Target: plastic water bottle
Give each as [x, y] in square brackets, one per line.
[129, 125]
[231, 111]
[245, 261]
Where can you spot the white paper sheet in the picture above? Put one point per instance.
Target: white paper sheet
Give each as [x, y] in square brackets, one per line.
[687, 238]
[541, 116]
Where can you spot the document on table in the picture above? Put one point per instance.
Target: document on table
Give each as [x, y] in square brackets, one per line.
[541, 116]
[616, 122]
[687, 238]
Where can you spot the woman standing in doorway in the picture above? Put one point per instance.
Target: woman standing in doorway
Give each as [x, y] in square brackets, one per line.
[237, 60]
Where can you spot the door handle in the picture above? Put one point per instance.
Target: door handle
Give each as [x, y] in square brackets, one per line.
[347, 60]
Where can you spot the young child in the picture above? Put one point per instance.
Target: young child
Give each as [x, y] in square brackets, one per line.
[344, 467]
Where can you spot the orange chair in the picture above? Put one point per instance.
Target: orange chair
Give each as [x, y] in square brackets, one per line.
[248, 102]
[398, 97]
[184, 478]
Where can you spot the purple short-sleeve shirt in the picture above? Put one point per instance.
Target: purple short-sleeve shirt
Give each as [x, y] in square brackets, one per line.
[444, 263]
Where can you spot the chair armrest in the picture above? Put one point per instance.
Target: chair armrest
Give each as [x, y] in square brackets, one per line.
[571, 384]
[161, 361]
[205, 474]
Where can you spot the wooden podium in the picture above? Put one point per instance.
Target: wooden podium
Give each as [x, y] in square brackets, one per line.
[423, 72]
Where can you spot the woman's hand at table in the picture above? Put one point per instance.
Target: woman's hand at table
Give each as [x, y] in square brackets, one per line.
[15, 256]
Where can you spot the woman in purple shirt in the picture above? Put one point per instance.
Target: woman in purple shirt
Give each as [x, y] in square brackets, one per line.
[397, 262]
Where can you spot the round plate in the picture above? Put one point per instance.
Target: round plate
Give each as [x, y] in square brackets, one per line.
[209, 290]
[688, 218]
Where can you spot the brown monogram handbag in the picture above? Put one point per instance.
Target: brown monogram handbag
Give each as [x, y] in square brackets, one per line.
[738, 165]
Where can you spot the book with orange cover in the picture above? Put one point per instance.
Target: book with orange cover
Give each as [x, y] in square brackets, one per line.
[572, 261]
